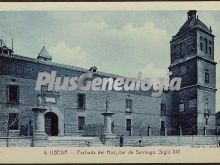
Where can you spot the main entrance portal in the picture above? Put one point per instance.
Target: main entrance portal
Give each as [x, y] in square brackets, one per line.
[51, 124]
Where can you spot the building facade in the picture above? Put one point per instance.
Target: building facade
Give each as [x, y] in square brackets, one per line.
[69, 112]
[192, 109]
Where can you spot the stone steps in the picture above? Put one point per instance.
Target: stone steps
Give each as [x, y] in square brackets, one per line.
[74, 142]
[133, 141]
[15, 142]
[170, 141]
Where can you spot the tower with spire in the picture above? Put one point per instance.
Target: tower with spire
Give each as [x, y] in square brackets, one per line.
[192, 58]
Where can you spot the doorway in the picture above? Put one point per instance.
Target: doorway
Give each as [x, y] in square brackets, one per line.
[51, 124]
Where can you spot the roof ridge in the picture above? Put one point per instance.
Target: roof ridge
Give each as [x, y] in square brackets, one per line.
[66, 66]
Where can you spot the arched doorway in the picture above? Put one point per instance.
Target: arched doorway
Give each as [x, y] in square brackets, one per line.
[51, 124]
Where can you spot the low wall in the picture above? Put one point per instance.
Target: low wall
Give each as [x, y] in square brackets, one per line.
[15, 142]
[168, 140]
[12, 133]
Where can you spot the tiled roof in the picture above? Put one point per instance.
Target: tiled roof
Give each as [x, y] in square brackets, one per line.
[19, 57]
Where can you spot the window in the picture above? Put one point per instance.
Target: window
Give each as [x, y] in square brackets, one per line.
[162, 125]
[206, 45]
[5, 51]
[181, 106]
[210, 47]
[207, 76]
[201, 46]
[13, 94]
[50, 99]
[81, 122]
[163, 109]
[81, 100]
[13, 121]
[206, 110]
[128, 125]
[193, 103]
[210, 50]
[129, 104]
[201, 43]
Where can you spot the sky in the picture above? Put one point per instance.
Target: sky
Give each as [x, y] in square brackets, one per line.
[119, 42]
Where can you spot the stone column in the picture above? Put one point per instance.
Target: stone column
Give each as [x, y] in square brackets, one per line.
[108, 138]
[107, 122]
[39, 132]
[39, 136]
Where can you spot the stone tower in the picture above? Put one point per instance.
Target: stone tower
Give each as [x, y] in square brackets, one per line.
[192, 58]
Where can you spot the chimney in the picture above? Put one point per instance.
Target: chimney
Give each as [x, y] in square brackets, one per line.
[191, 14]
